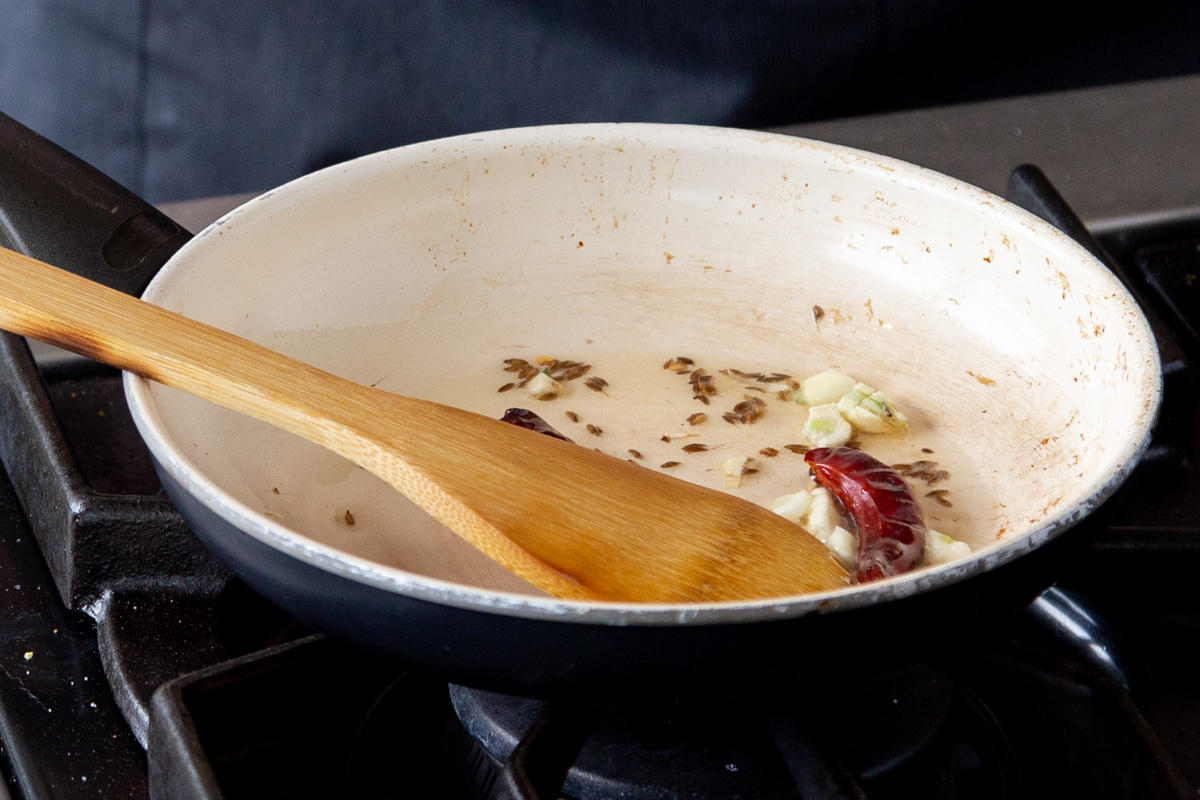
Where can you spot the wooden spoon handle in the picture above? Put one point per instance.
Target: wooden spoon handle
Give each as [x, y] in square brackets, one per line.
[57, 307]
[576, 523]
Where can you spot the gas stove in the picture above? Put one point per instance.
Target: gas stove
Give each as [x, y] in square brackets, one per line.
[135, 665]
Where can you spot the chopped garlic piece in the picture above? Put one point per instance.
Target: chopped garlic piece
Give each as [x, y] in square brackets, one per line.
[793, 507]
[844, 546]
[734, 469]
[826, 427]
[824, 387]
[941, 549]
[543, 387]
[822, 515]
[870, 412]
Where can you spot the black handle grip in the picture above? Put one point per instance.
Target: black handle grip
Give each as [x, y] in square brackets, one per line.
[60, 209]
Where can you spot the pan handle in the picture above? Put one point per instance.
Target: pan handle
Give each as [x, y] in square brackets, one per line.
[60, 209]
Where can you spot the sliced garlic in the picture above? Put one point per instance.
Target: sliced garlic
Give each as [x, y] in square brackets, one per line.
[870, 412]
[941, 549]
[844, 546]
[822, 516]
[826, 427]
[793, 507]
[733, 469]
[824, 387]
[543, 387]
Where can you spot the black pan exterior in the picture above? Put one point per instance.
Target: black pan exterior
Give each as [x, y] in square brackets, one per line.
[545, 658]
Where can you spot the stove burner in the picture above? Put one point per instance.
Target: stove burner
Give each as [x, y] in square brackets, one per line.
[909, 733]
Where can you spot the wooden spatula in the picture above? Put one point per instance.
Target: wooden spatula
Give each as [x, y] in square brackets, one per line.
[574, 522]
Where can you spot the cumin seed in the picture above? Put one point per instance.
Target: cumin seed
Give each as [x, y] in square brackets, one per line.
[575, 372]
[939, 495]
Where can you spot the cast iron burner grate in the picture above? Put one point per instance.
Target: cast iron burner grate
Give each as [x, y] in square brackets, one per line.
[234, 699]
[1030, 725]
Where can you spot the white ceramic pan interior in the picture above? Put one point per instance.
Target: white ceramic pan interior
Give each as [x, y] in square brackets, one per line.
[1028, 373]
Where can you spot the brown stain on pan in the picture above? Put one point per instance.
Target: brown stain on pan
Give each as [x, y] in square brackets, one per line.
[984, 380]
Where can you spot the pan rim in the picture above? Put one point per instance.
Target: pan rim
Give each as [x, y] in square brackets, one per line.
[408, 584]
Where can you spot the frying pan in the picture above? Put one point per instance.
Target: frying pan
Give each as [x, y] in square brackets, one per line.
[1029, 375]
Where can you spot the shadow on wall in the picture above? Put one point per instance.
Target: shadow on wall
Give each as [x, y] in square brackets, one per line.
[190, 98]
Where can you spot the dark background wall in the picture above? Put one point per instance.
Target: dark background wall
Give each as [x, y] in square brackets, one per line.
[187, 98]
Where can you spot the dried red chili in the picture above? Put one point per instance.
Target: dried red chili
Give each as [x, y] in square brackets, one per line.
[891, 525]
